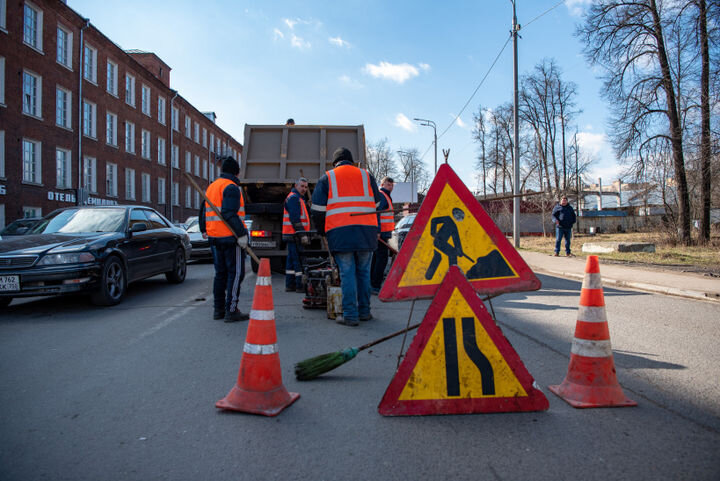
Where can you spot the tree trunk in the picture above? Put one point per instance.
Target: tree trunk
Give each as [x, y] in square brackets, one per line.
[706, 183]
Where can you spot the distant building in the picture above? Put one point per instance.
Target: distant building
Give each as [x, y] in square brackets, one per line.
[83, 121]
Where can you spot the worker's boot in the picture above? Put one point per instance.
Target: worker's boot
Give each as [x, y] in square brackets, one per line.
[235, 316]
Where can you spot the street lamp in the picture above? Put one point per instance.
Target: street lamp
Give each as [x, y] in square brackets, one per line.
[430, 123]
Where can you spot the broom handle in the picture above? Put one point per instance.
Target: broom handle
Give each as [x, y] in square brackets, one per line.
[403, 331]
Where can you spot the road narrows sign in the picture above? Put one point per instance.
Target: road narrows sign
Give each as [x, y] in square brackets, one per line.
[452, 228]
[460, 362]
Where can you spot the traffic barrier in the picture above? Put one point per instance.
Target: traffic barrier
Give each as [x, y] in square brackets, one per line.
[259, 388]
[591, 380]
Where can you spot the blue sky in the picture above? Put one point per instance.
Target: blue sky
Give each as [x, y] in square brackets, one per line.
[371, 62]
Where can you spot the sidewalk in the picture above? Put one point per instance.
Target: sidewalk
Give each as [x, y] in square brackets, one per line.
[660, 281]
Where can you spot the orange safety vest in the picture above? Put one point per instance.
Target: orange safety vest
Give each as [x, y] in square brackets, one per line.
[349, 192]
[304, 216]
[387, 219]
[213, 225]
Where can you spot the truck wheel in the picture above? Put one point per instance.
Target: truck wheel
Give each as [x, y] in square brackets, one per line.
[177, 274]
[254, 265]
[5, 301]
[113, 284]
[277, 264]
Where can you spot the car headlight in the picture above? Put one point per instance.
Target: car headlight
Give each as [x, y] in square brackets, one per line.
[69, 258]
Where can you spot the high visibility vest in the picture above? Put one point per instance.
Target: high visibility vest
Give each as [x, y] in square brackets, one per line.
[213, 225]
[304, 216]
[350, 192]
[387, 219]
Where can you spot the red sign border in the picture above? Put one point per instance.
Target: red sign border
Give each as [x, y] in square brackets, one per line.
[391, 405]
[391, 290]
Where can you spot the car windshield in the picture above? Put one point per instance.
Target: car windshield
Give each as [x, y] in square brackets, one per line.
[74, 221]
[194, 226]
[406, 221]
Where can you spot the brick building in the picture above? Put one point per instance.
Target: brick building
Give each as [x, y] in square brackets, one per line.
[83, 121]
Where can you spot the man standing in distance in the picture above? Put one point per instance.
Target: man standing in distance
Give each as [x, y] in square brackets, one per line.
[341, 192]
[387, 224]
[564, 217]
[295, 220]
[228, 253]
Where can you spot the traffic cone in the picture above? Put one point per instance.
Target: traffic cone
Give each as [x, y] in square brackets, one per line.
[259, 388]
[591, 381]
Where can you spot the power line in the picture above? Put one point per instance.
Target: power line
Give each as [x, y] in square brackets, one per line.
[545, 12]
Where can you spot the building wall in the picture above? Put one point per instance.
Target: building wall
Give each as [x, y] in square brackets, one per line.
[17, 196]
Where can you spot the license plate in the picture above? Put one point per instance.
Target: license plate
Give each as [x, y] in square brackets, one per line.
[9, 283]
[265, 244]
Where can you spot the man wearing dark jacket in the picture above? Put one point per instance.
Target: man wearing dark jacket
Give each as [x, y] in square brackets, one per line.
[387, 224]
[228, 252]
[295, 221]
[341, 192]
[564, 217]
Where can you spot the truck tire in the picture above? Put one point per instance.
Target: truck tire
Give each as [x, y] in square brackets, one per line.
[277, 265]
[5, 301]
[254, 265]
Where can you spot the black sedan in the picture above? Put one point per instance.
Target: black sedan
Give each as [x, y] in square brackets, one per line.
[91, 249]
[200, 244]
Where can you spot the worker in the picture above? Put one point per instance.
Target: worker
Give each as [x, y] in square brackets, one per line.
[341, 192]
[295, 221]
[387, 225]
[228, 252]
[290, 122]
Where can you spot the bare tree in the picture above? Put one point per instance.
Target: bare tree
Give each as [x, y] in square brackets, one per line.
[380, 161]
[412, 169]
[480, 136]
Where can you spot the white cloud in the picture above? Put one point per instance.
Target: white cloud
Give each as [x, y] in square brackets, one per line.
[396, 72]
[459, 122]
[339, 42]
[290, 23]
[277, 34]
[424, 67]
[577, 7]
[599, 148]
[350, 82]
[404, 123]
[298, 42]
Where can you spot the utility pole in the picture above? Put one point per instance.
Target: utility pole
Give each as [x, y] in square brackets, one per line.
[516, 134]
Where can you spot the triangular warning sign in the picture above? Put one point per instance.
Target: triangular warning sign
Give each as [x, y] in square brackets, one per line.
[452, 228]
[460, 362]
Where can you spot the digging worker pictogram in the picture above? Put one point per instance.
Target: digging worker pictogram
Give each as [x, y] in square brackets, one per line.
[442, 237]
[295, 221]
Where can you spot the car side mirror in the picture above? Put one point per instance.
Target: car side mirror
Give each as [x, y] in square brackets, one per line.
[139, 227]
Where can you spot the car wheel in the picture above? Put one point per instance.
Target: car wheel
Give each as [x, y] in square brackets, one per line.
[5, 301]
[177, 274]
[113, 284]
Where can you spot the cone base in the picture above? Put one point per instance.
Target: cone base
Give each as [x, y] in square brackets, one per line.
[268, 403]
[582, 397]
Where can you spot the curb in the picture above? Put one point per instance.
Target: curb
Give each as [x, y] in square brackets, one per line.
[641, 286]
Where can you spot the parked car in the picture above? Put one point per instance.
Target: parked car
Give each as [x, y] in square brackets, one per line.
[200, 245]
[93, 249]
[401, 231]
[20, 226]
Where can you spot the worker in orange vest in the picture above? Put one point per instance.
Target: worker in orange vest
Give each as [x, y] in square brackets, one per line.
[341, 192]
[387, 225]
[228, 252]
[295, 220]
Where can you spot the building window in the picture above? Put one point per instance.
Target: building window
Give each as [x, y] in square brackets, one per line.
[188, 127]
[145, 144]
[161, 190]
[188, 197]
[161, 110]
[29, 212]
[2, 152]
[112, 78]
[111, 180]
[176, 194]
[3, 25]
[32, 168]
[205, 169]
[145, 186]
[196, 171]
[111, 129]
[212, 142]
[90, 175]
[130, 89]
[90, 64]
[145, 100]
[217, 147]
[89, 119]
[130, 184]
[64, 46]
[197, 133]
[197, 200]
[2, 78]
[175, 119]
[188, 162]
[32, 94]
[63, 167]
[204, 137]
[175, 156]
[129, 137]
[161, 151]
[33, 26]
[63, 107]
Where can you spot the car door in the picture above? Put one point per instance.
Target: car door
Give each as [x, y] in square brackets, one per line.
[166, 241]
[140, 247]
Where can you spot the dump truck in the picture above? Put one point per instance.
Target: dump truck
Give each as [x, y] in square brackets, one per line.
[273, 158]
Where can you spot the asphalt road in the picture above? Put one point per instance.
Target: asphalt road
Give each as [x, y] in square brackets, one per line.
[128, 393]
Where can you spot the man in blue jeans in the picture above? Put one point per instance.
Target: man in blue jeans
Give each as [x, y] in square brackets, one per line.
[564, 217]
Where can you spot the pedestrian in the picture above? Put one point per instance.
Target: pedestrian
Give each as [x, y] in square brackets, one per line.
[564, 217]
[387, 225]
[290, 122]
[228, 252]
[295, 220]
[341, 192]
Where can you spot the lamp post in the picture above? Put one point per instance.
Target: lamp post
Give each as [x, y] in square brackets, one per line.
[516, 160]
[430, 123]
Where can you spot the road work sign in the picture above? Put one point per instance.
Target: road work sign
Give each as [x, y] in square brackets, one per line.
[452, 228]
[460, 362]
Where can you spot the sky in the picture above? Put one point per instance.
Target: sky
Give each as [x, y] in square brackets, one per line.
[371, 62]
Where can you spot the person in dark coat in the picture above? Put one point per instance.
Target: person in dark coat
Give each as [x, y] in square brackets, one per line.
[564, 217]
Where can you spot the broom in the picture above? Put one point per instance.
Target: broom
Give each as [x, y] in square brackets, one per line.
[315, 366]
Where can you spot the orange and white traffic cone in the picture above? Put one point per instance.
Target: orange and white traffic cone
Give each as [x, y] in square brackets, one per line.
[591, 381]
[259, 388]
